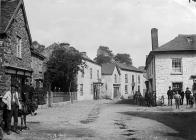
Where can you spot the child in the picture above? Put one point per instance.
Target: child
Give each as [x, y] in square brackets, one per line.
[177, 98]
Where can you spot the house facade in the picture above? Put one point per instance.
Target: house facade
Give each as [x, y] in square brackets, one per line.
[121, 80]
[131, 80]
[15, 45]
[37, 61]
[89, 80]
[172, 64]
[111, 81]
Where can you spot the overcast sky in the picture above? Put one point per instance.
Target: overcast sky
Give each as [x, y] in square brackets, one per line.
[122, 25]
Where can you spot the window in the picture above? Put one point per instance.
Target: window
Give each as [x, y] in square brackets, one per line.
[81, 89]
[177, 65]
[126, 89]
[18, 47]
[138, 88]
[138, 79]
[91, 73]
[177, 85]
[133, 79]
[98, 74]
[115, 78]
[91, 88]
[82, 73]
[126, 78]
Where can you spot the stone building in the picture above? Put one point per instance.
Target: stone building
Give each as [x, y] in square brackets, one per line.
[121, 80]
[111, 81]
[89, 80]
[131, 80]
[172, 64]
[37, 61]
[15, 44]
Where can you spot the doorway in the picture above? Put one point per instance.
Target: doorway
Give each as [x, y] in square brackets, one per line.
[177, 86]
[116, 92]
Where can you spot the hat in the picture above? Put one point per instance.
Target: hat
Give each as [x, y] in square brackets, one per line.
[187, 88]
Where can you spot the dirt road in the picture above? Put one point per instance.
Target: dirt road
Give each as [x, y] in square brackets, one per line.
[106, 120]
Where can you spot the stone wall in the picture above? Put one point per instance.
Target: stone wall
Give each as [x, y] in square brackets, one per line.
[165, 77]
[18, 28]
[129, 84]
[37, 66]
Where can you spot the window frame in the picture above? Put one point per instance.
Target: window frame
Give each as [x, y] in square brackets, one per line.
[18, 47]
[139, 79]
[91, 73]
[126, 78]
[177, 68]
[126, 89]
[81, 89]
[115, 78]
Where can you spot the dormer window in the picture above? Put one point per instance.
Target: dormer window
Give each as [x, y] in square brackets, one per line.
[18, 47]
[189, 40]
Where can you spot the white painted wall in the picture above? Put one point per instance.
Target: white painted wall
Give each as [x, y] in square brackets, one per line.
[164, 76]
[130, 91]
[109, 81]
[87, 81]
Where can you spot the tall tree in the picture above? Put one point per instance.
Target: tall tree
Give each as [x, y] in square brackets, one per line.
[123, 58]
[104, 55]
[37, 46]
[62, 68]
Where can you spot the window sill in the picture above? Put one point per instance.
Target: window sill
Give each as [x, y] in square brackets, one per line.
[176, 73]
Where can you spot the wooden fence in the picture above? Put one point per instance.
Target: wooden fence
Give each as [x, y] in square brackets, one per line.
[55, 97]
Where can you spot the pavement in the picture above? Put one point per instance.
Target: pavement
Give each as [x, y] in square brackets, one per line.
[110, 120]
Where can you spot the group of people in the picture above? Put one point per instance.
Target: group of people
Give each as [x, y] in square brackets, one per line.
[179, 96]
[14, 104]
[148, 100]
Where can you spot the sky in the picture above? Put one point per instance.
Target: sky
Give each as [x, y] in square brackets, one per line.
[122, 25]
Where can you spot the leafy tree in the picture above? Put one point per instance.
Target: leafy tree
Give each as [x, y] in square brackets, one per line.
[104, 55]
[192, 0]
[62, 68]
[101, 59]
[37, 46]
[123, 58]
[104, 50]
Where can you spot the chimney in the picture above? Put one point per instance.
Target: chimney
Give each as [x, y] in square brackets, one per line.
[154, 37]
[84, 54]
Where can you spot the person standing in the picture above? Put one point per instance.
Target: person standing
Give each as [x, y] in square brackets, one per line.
[182, 97]
[177, 98]
[11, 99]
[187, 93]
[169, 95]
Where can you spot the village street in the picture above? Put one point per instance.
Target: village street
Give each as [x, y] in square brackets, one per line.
[104, 119]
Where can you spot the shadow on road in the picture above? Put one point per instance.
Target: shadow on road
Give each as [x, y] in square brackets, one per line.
[183, 122]
[125, 101]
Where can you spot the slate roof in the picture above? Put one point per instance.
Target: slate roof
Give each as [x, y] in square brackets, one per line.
[180, 44]
[108, 68]
[8, 8]
[128, 67]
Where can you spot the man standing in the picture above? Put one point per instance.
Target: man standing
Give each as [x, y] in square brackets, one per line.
[182, 97]
[169, 95]
[12, 101]
[187, 93]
